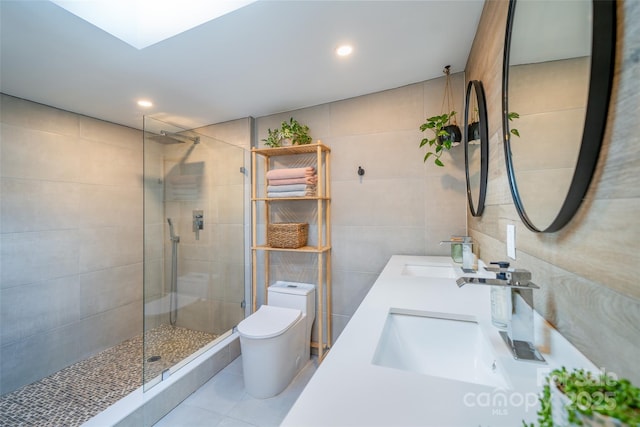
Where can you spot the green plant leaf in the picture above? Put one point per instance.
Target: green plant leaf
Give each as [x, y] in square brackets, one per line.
[441, 139]
[292, 130]
[603, 393]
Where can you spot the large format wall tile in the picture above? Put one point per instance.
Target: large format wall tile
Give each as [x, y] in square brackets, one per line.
[400, 206]
[71, 233]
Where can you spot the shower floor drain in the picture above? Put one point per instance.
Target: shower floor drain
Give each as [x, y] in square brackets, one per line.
[154, 358]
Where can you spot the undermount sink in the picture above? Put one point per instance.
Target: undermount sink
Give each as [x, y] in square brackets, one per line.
[435, 269]
[440, 345]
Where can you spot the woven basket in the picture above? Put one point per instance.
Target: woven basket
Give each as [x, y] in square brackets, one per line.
[287, 235]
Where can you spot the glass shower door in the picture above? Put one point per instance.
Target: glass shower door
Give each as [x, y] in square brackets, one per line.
[193, 244]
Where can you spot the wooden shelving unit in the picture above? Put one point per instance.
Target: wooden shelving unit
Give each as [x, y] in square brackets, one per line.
[322, 201]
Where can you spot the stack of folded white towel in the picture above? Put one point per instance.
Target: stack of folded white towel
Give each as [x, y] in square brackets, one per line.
[292, 182]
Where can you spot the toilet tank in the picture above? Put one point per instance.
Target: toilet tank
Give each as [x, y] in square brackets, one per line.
[301, 296]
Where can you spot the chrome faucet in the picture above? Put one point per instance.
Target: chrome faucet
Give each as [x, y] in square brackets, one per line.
[467, 253]
[519, 333]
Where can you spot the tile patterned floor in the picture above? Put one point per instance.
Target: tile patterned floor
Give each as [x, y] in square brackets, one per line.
[223, 402]
[74, 394]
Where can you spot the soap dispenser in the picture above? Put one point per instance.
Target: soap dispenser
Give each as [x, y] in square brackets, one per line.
[467, 257]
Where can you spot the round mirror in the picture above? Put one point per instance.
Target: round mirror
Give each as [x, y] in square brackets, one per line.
[556, 86]
[476, 146]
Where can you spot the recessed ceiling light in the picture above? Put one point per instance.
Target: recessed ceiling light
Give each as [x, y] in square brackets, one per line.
[145, 103]
[344, 50]
[142, 23]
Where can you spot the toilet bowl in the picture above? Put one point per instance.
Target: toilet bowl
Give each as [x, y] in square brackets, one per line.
[275, 340]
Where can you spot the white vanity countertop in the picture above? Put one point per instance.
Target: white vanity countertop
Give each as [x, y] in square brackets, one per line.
[349, 390]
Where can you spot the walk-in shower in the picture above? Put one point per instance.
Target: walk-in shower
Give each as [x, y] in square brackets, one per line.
[194, 238]
[94, 307]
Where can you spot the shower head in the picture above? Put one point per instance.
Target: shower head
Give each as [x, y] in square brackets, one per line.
[172, 235]
[179, 137]
[174, 138]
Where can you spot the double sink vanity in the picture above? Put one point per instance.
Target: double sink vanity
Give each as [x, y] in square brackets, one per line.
[422, 351]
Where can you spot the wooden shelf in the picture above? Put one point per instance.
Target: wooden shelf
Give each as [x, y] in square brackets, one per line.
[261, 159]
[312, 249]
[291, 150]
[279, 199]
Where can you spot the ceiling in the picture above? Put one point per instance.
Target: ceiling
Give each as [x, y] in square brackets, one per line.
[268, 57]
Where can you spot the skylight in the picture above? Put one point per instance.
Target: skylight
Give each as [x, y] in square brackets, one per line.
[142, 23]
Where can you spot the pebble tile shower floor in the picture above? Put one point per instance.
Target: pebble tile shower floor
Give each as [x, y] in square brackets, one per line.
[78, 392]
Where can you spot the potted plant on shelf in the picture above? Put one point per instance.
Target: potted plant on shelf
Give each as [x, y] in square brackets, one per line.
[298, 134]
[291, 132]
[582, 398]
[443, 136]
[273, 138]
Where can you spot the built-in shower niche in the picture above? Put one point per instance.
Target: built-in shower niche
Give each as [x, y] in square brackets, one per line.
[193, 279]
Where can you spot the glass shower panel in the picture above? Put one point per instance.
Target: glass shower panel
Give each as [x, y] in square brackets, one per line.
[193, 244]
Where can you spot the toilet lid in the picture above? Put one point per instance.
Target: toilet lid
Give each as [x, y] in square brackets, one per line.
[268, 321]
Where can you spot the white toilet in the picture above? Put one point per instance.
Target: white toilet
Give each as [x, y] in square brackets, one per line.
[275, 340]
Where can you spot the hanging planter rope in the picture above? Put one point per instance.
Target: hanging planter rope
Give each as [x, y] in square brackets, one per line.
[452, 129]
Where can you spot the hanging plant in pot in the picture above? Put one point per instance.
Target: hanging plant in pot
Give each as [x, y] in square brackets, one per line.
[474, 131]
[442, 136]
[512, 116]
[446, 131]
[473, 128]
[453, 133]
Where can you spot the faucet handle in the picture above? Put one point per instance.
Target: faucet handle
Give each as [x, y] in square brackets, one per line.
[501, 264]
[500, 270]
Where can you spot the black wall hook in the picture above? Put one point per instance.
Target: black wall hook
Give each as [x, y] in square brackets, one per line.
[360, 171]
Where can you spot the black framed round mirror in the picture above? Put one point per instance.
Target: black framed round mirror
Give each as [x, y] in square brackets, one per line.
[476, 146]
[556, 84]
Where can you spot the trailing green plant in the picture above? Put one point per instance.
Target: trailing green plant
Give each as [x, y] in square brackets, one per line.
[292, 130]
[441, 140]
[512, 116]
[587, 394]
